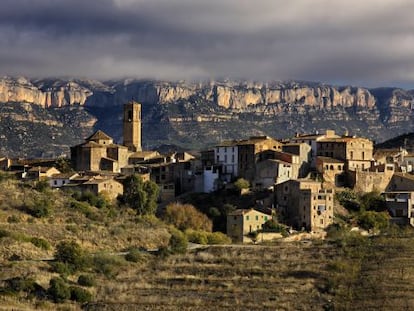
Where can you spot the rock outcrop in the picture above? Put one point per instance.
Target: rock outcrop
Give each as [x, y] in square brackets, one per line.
[196, 114]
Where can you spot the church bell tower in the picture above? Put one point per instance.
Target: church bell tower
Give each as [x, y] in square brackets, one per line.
[132, 126]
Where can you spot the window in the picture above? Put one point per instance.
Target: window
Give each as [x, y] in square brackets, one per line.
[247, 217]
[257, 217]
[55, 182]
[234, 217]
[265, 218]
[321, 221]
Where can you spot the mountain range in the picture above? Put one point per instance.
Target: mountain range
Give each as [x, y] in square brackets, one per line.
[43, 117]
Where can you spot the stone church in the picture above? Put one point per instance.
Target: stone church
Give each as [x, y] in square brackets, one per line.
[100, 153]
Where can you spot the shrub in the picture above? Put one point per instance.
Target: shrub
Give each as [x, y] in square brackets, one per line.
[214, 212]
[13, 219]
[58, 290]
[106, 264]
[40, 243]
[63, 269]
[178, 242]
[20, 284]
[273, 226]
[186, 216]
[135, 255]
[373, 220]
[199, 237]
[79, 294]
[218, 238]
[42, 186]
[4, 233]
[241, 184]
[86, 280]
[71, 253]
[40, 208]
[89, 197]
[83, 207]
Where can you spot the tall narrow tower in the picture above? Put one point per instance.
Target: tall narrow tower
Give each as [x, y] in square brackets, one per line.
[132, 126]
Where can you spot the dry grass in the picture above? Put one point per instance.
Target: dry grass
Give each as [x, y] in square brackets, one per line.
[377, 275]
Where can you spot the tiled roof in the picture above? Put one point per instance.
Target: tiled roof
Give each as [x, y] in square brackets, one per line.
[404, 175]
[343, 139]
[99, 135]
[330, 160]
[240, 212]
[65, 175]
[41, 169]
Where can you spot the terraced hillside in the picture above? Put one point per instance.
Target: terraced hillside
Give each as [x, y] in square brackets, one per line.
[357, 274]
[286, 277]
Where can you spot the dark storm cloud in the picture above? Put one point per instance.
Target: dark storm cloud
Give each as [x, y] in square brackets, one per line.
[366, 42]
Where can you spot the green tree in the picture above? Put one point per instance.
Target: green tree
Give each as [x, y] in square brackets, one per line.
[348, 199]
[373, 201]
[63, 165]
[70, 252]
[241, 183]
[139, 195]
[373, 220]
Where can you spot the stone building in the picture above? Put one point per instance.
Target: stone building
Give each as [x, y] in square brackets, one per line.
[226, 155]
[132, 126]
[401, 182]
[103, 185]
[305, 204]
[376, 178]
[400, 205]
[61, 179]
[41, 172]
[249, 153]
[304, 152]
[311, 140]
[99, 153]
[332, 170]
[270, 172]
[357, 152]
[241, 222]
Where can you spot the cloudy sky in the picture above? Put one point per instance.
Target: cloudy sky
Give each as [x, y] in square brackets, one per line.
[359, 42]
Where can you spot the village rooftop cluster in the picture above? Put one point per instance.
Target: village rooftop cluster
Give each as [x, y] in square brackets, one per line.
[300, 175]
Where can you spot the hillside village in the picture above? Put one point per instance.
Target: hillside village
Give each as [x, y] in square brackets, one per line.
[296, 177]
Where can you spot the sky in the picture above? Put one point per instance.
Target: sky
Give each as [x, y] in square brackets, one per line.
[357, 42]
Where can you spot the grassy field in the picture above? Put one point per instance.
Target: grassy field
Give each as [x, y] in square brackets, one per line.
[345, 272]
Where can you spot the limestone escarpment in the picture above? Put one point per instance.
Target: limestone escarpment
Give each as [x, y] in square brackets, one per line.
[229, 95]
[198, 114]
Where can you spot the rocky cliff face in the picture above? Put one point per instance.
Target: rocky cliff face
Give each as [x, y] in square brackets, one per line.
[196, 114]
